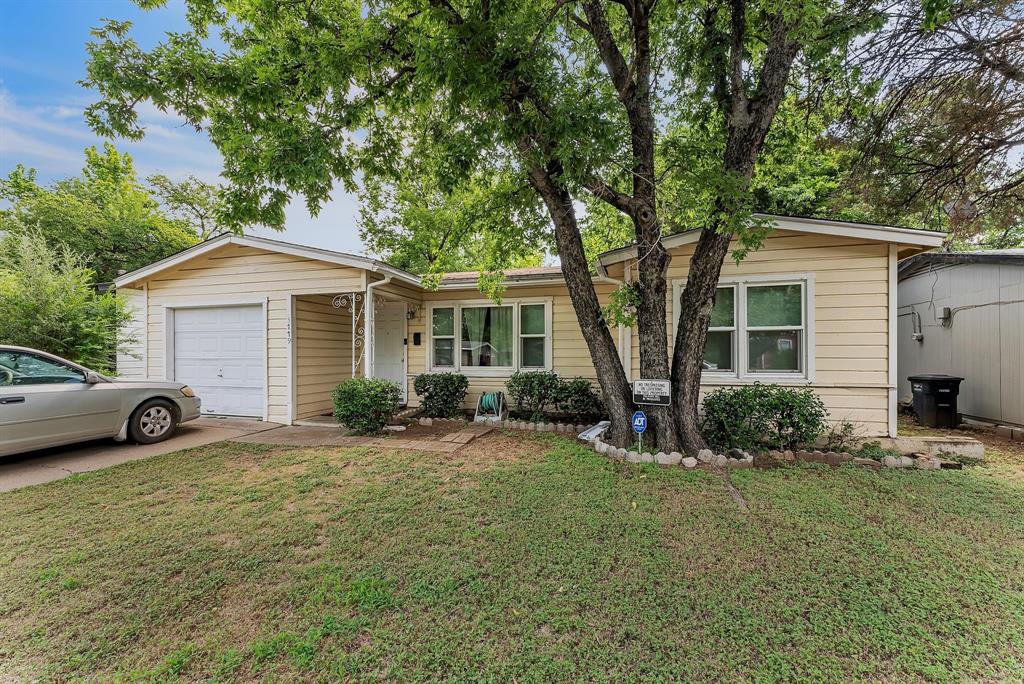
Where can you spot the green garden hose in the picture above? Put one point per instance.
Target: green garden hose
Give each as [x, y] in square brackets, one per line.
[490, 402]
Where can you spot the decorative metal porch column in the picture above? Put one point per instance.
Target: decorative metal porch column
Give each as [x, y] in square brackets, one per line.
[355, 304]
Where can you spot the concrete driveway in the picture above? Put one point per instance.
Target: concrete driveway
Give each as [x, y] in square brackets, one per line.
[34, 467]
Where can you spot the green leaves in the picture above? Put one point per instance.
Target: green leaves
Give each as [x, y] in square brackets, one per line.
[365, 405]
[760, 416]
[48, 302]
[442, 393]
[106, 216]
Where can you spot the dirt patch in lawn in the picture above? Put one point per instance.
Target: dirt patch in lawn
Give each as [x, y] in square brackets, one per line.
[438, 429]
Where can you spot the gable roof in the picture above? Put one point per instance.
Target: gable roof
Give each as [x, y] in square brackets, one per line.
[330, 256]
[927, 239]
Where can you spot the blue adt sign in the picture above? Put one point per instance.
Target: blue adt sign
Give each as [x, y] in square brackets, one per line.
[639, 422]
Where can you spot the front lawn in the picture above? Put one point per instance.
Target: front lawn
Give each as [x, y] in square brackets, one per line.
[522, 558]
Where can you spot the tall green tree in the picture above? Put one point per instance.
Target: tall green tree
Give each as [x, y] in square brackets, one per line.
[191, 201]
[572, 97]
[424, 226]
[48, 302]
[943, 141]
[105, 215]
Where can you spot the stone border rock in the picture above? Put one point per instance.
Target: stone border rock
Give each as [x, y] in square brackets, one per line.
[836, 458]
[562, 428]
[735, 459]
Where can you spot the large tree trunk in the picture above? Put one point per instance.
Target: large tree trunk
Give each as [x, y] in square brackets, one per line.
[697, 301]
[615, 389]
[652, 329]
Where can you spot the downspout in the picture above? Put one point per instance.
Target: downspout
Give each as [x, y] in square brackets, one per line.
[368, 323]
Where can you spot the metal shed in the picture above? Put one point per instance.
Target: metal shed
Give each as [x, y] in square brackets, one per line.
[962, 313]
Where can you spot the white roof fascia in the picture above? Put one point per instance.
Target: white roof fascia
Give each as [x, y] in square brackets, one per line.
[903, 236]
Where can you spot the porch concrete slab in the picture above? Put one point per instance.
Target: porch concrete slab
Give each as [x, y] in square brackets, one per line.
[318, 421]
[443, 447]
[967, 447]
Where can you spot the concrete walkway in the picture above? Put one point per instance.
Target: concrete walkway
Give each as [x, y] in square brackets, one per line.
[35, 467]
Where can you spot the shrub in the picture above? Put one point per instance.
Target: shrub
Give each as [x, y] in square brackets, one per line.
[536, 394]
[442, 393]
[48, 302]
[532, 392]
[762, 417]
[579, 402]
[842, 437]
[364, 405]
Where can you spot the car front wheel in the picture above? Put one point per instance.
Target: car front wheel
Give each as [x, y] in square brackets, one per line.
[153, 422]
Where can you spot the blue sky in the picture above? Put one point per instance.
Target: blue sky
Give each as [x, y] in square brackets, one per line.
[42, 58]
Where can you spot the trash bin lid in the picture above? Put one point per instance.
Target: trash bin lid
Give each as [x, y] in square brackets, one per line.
[934, 377]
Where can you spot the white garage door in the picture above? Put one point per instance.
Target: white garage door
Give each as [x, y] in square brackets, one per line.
[218, 351]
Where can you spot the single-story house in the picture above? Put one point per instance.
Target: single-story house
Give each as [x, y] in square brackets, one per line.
[962, 313]
[265, 328]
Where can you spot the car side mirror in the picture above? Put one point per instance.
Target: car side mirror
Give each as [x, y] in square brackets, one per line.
[92, 378]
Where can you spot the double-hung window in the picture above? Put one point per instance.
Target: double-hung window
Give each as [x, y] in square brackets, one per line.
[720, 350]
[775, 328]
[484, 338]
[761, 329]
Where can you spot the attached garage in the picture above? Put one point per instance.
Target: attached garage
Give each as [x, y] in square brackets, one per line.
[254, 325]
[220, 352]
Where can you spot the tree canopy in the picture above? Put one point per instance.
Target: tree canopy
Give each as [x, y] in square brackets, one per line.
[105, 215]
[48, 302]
[463, 118]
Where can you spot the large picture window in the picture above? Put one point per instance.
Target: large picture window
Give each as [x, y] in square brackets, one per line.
[487, 336]
[760, 328]
[488, 339]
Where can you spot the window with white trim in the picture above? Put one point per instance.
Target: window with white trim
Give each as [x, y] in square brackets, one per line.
[486, 339]
[442, 320]
[720, 349]
[486, 336]
[775, 328]
[761, 329]
[533, 336]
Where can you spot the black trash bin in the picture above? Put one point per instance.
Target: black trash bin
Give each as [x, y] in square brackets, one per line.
[935, 399]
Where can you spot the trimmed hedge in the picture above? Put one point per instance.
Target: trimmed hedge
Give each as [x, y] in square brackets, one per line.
[762, 417]
[365, 405]
[442, 393]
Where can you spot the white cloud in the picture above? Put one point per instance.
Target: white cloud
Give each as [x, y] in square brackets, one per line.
[50, 137]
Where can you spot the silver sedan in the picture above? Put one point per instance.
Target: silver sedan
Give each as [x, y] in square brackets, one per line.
[47, 401]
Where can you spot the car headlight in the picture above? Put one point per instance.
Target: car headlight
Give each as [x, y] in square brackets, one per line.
[187, 391]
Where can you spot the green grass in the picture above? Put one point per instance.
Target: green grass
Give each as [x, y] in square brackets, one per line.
[522, 558]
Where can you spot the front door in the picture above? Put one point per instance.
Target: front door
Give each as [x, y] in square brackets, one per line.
[389, 343]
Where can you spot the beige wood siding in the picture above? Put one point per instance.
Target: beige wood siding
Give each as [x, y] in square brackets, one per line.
[323, 353]
[851, 302]
[131, 356]
[570, 356]
[232, 273]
